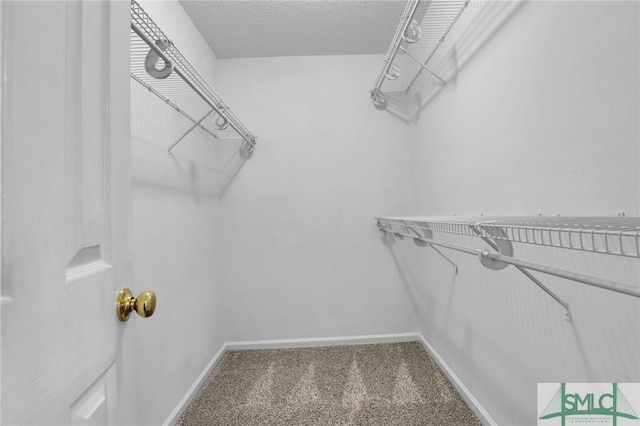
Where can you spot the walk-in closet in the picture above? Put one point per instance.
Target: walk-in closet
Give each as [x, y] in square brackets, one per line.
[320, 212]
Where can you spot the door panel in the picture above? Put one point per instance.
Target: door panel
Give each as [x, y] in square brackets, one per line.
[92, 408]
[87, 183]
[66, 211]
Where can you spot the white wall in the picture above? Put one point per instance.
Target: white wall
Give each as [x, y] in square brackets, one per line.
[541, 115]
[284, 245]
[302, 255]
[176, 231]
[544, 97]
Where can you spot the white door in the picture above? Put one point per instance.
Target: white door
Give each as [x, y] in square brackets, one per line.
[66, 213]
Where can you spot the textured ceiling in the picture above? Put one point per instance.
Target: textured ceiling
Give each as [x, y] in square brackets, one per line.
[241, 28]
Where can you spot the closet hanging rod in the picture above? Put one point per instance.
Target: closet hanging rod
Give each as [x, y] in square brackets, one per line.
[526, 273]
[562, 273]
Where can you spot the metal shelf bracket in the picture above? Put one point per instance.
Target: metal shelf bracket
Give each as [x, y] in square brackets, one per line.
[424, 67]
[420, 242]
[499, 246]
[196, 124]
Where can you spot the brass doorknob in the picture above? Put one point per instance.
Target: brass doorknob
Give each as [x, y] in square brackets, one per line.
[144, 304]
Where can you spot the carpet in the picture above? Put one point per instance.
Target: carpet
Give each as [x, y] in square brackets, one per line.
[379, 384]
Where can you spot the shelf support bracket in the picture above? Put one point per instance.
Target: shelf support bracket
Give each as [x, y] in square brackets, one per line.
[424, 67]
[196, 124]
[485, 254]
[420, 242]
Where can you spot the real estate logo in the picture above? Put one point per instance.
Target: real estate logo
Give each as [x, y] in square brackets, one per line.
[588, 404]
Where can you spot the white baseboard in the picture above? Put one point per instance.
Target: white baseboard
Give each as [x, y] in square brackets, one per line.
[323, 341]
[465, 393]
[186, 399]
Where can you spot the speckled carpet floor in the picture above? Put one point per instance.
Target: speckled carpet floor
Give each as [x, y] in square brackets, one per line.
[383, 384]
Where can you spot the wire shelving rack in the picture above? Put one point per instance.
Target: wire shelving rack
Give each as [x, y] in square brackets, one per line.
[423, 27]
[179, 84]
[608, 235]
[618, 236]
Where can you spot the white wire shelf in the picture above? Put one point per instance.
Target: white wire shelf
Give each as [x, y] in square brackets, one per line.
[609, 235]
[179, 84]
[423, 27]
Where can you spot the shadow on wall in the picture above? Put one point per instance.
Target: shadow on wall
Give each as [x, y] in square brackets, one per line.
[478, 26]
[231, 165]
[460, 351]
[502, 335]
[181, 173]
[407, 277]
[396, 104]
[200, 166]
